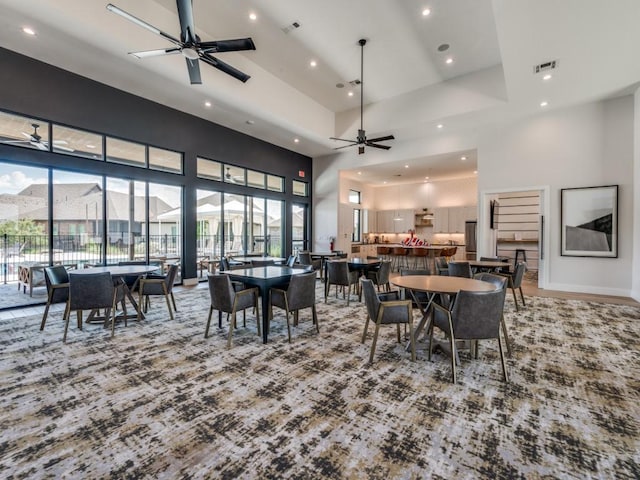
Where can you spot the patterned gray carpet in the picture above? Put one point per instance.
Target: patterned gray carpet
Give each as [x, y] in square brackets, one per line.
[160, 401]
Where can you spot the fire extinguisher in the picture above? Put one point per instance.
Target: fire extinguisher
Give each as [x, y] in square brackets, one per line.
[331, 246]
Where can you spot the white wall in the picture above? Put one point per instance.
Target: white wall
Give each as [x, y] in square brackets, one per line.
[586, 145]
[635, 287]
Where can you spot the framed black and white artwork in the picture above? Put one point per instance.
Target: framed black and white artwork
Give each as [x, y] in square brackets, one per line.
[589, 221]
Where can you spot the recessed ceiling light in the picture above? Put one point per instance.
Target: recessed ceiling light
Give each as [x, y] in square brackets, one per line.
[449, 61]
[296, 140]
[475, 172]
[28, 30]
[207, 103]
[463, 158]
[426, 178]
[253, 16]
[313, 63]
[339, 85]
[547, 77]
[426, 12]
[350, 94]
[544, 104]
[406, 166]
[440, 125]
[90, 145]
[384, 182]
[359, 173]
[250, 122]
[443, 47]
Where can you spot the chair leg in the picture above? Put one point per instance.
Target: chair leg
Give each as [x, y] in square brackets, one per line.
[398, 332]
[430, 330]
[113, 315]
[206, 330]
[413, 342]
[79, 319]
[166, 297]
[314, 316]
[454, 352]
[44, 316]
[366, 326]
[521, 296]
[173, 300]
[66, 327]
[373, 344]
[504, 365]
[288, 325]
[348, 294]
[506, 335]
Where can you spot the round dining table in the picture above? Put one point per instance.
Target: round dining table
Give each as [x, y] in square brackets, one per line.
[436, 284]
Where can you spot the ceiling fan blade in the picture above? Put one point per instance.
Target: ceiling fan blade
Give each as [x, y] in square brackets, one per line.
[346, 146]
[221, 46]
[194, 71]
[375, 145]
[224, 67]
[187, 27]
[143, 24]
[381, 139]
[343, 140]
[155, 53]
[39, 145]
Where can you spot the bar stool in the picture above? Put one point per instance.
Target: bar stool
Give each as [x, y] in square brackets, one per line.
[383, 252]
[524, 257]
[400, 257]
[420, 256]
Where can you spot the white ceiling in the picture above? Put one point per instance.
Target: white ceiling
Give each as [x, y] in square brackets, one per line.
[408, 88]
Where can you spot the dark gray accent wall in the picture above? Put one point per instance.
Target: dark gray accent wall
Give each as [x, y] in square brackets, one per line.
[33, 88]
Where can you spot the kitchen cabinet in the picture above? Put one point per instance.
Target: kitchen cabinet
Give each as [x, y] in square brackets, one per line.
[395, 221]
[452, 219]
[369, 221]
[441, 220]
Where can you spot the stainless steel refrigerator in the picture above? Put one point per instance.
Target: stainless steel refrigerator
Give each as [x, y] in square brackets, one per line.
[470, 241]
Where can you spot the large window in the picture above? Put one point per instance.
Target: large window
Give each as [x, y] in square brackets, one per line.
[128, 153]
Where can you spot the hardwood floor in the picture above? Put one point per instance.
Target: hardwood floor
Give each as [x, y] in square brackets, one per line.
[530, 287]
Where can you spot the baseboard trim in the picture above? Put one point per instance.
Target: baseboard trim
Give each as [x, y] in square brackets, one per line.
[614, 292]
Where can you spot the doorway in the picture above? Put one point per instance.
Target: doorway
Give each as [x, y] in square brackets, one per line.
[513, 222]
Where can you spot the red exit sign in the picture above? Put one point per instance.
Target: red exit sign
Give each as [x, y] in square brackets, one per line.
[301, 173]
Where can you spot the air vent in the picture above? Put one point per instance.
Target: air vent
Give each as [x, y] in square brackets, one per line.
[543, 67]
[291, 27]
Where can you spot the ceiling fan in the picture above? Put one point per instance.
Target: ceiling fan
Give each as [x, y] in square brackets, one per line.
[190, 45]
[362, 140]
[35, 139]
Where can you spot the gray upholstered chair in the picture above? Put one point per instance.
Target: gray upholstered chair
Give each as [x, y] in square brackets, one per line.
[93, 291]
[460, 269]
[304, 258]
[380, 276]
[300, 294]
[57, 281]
[225, 299]
[442, 266]
[259, 262]
[515, 281]
[386, 309]
[157, 285]
[338, 274]
[474, 316]
[500, 282]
